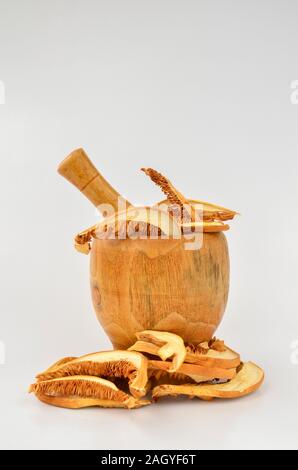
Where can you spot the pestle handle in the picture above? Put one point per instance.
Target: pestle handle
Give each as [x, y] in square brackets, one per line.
[78, 169]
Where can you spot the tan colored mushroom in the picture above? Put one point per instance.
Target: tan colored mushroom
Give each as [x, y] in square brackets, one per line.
[170, 345]
[84, 391]
[204, 355]
[195, 371]
[247, 380]
[127, 364]
[196, 354]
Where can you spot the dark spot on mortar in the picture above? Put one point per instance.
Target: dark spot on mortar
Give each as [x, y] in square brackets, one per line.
[96, 295]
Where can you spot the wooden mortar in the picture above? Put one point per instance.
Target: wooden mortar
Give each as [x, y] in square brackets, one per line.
[158, 285]
[151, 284]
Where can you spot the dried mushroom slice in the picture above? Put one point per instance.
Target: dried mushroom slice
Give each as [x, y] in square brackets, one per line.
[174, 196]
[159, 377]
[247, 380]
[170, 345]
[199, 354]
[75, 403]
[83, 391]
[194, 370]
[214, 211]
[83, 248]
[127, 364]
[133, 221]
[82, 241]
[210, 211]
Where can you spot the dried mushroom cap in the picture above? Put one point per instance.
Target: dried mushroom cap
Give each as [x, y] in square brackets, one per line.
[171, 345]
[128, 364]
[194, 370]
[82, 391]
[247, 380]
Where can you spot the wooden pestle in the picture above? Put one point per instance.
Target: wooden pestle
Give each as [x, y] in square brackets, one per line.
[78, 169]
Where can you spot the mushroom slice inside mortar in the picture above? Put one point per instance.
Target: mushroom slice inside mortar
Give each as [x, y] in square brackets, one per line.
[83, 391]
[174, 196]
[134, 222]
[209, 210]
[247, 380]
[133, 216]
[170, 345]
[217, 212]
[127, 364]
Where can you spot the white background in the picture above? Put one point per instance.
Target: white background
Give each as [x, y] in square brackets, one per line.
[199, 90]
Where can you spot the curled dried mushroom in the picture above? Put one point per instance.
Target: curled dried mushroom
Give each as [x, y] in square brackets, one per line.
[127, 364]
[200, 354]
[84, 391]
[248, 379]
[120, 379]
[195, 370]
[134, 222]
[170, 345]
[197, 354]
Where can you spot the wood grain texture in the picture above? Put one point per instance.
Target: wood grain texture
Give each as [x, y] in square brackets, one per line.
[141, 285]
[78, 169]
